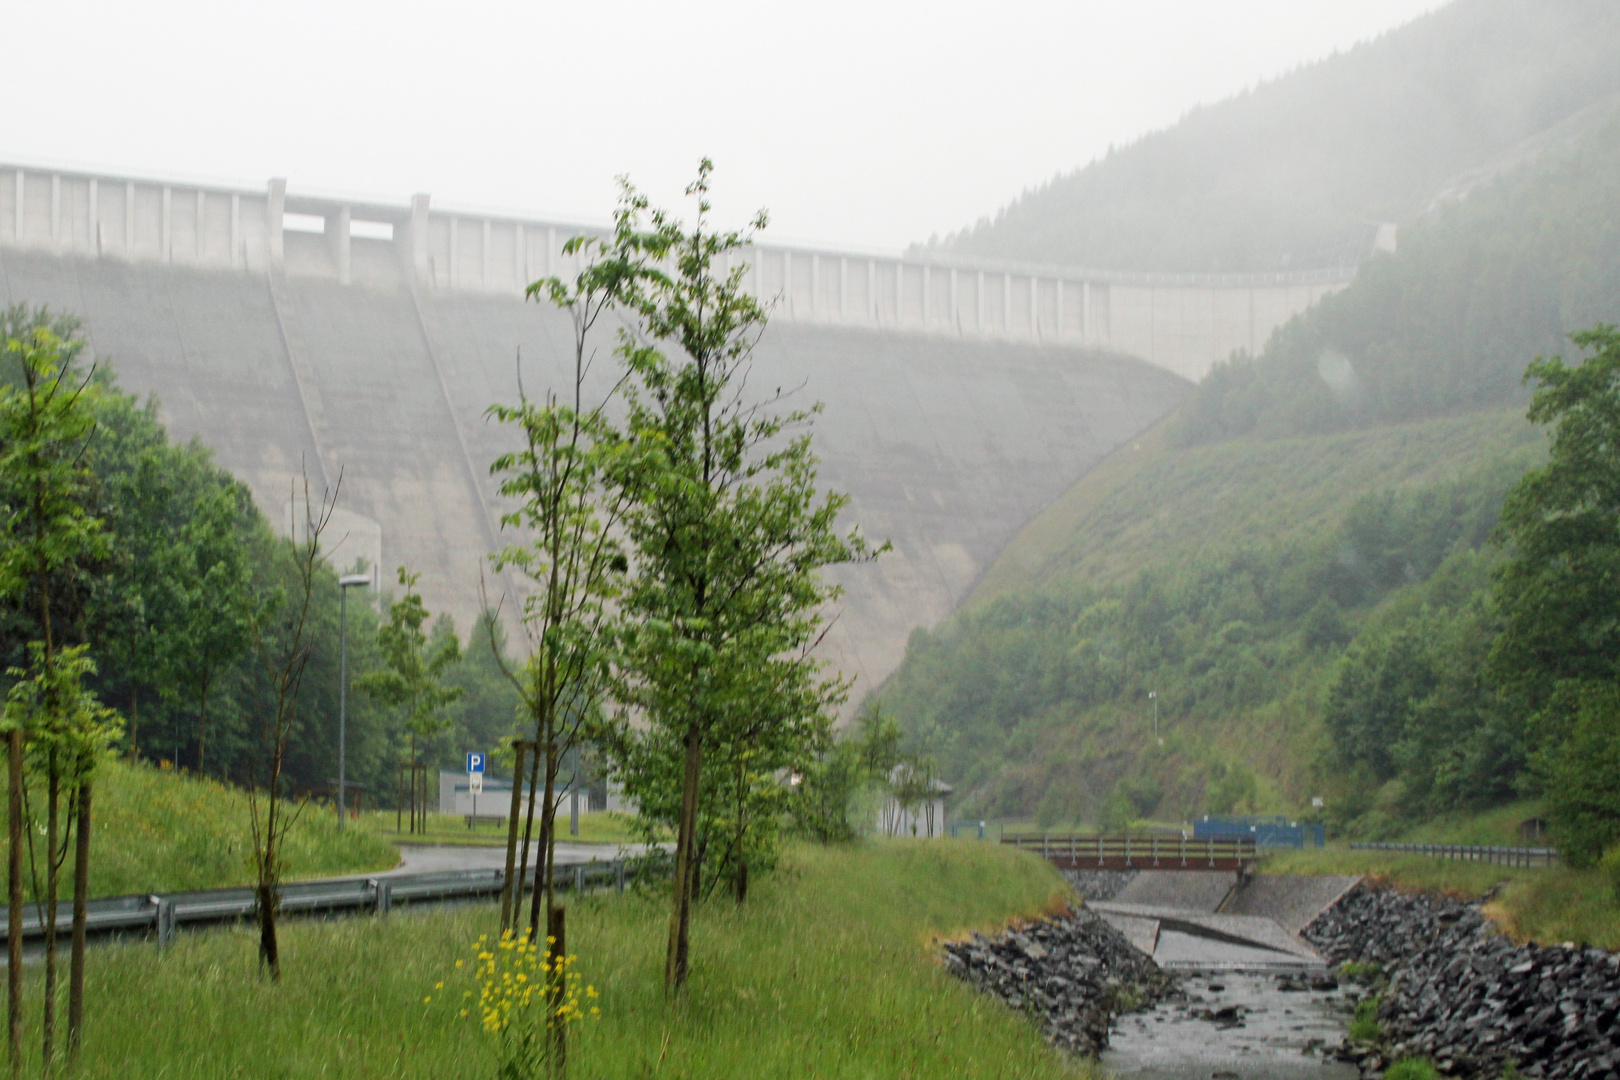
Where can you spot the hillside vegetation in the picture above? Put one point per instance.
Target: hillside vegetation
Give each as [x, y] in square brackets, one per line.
[1292, 173]
[1299, 563]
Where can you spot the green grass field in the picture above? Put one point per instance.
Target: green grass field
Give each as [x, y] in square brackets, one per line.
[828, 971]
[161, 831]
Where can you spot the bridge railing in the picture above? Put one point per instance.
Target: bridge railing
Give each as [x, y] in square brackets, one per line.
[1125, 851]
[1482, 853]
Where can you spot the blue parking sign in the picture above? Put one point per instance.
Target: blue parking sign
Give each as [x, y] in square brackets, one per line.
[475, 763]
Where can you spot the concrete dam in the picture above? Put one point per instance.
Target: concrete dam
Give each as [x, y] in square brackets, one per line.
[295, 333]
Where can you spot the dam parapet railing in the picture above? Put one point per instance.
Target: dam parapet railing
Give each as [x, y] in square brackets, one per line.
[1184, 322]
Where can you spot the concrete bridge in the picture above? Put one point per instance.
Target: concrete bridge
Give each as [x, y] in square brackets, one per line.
[369, 337]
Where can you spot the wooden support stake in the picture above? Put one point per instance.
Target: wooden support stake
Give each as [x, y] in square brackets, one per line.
[557, 953]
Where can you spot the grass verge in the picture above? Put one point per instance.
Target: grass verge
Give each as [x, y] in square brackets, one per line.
[602, 827]
[162, 831]
[1537, 904]
[825, 972]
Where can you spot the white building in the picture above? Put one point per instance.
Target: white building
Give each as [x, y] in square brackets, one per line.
[924, 817]
[495, 801]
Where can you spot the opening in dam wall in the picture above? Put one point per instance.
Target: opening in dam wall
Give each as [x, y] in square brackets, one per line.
[1181, 322]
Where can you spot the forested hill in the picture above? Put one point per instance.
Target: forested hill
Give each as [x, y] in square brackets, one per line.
[1298, 562]
[1294, 173]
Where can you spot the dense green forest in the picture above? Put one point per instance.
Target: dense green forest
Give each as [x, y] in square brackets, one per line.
[1305, 563]
[170, 608]
[1295, 172]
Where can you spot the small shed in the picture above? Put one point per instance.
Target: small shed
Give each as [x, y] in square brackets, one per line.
[921, 817]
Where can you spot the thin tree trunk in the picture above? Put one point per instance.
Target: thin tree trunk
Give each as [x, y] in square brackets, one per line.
[528, 833]
[269, 950]
[53, 793]
[685, 836]
[543, 885]
[507, 892]
[14, 960]
[81, 899]
[739, 880]
[202, 732]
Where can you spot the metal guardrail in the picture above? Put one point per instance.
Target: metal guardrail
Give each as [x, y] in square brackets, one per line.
[1139, 852]
[161, 914]
[1482, 853]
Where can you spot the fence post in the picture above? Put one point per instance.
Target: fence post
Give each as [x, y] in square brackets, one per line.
[164, 919]
[385, 896]
[579, 880]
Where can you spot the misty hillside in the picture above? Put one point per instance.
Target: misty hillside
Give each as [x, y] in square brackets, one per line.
[1302, 550]
[1295, 172]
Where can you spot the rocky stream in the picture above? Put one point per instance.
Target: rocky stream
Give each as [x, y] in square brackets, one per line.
[1447, 986]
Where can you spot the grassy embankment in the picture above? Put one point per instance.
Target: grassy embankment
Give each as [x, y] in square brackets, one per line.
[163, 831]
[827, 971]
[1542, 904]
[603, 827]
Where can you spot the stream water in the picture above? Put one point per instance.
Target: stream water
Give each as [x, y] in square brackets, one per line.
[1236, 1020]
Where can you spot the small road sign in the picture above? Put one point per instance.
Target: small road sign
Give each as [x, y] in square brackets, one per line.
[475, 763]
[475, 782]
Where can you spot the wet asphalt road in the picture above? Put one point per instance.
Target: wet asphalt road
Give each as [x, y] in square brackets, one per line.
[426, 859]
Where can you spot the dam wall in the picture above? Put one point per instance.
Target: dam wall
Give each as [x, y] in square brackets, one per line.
[946, 446]
[1181, 322]
[364, 341]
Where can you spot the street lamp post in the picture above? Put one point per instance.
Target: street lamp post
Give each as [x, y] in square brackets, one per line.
[345, 583]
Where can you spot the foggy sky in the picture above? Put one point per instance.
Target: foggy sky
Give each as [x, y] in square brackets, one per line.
[857, 123]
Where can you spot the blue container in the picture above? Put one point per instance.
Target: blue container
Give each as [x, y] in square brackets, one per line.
[1267, 831]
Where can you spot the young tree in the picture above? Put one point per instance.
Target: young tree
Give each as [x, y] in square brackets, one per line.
[46, 420]
[727, 531]
[568, 511]
[414, 679]
[70, 732]
[284, 643]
